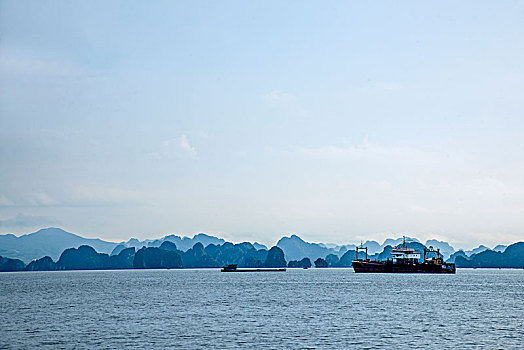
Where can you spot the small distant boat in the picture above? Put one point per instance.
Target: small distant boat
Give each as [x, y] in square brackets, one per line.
[234, 268]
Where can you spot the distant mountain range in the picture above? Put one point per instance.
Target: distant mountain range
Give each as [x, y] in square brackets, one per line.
[511, 257]
[47, 242]
[167, 256]
[53, 241]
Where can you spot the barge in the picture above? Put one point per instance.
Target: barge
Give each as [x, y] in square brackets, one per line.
[234, 268]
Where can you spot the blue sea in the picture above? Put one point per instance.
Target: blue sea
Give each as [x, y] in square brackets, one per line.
[298, 309]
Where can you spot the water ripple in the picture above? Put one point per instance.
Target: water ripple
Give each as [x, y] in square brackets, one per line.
[299, 309]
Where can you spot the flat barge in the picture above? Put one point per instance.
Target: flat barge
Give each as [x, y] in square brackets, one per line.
[404, 260]
[234, 268]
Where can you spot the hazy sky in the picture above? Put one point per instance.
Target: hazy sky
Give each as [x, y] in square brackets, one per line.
[335, 120]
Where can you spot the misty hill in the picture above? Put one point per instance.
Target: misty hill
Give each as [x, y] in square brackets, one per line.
[42, 264]
[164, 257]
[182, 243]
[47, 242]
[242, 254]
[373, 247]
[304, 263]
[295, 248]
[454, 256]
[52, 242]
[156, 258]
[396, 241]
[512, 257]
[500, 248]
[82, 258]
[445, 249]
[481, 248]
[8, 265]
[259, 246]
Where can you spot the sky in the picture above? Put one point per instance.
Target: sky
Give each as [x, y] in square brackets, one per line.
[338, 121]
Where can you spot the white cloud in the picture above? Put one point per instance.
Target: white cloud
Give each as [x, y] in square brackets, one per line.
[285, 101]
[178, 146]
[366, 150]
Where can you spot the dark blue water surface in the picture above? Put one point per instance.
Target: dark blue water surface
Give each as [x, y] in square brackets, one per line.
[298, 309]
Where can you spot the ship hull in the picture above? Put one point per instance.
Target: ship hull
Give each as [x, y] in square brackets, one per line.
[389, 267]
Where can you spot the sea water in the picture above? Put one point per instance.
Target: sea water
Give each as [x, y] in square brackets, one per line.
[297, 309]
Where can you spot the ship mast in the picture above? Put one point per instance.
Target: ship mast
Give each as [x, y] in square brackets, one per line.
[362, 248]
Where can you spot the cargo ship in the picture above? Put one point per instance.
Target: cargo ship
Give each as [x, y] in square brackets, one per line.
[405, 260]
